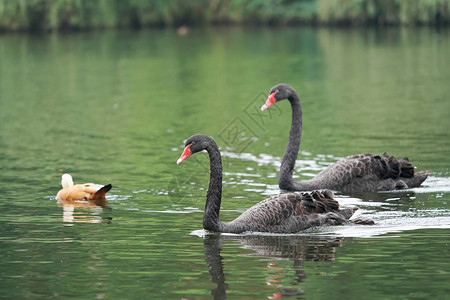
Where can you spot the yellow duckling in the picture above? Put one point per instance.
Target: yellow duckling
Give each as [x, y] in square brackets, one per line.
[86, 191]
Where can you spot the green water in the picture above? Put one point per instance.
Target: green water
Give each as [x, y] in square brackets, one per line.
[116, 107]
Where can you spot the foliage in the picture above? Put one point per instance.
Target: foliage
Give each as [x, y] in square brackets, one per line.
[49, 15]
[384, 12]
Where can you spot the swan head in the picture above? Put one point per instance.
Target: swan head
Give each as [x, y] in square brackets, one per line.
[66, 180]
[279, 92]
[194, 144]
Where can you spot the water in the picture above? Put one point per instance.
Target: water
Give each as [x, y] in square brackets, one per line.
[116, 107]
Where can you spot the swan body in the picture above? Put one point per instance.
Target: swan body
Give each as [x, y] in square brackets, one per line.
[86, 191]
[285, 213]
[355, 173]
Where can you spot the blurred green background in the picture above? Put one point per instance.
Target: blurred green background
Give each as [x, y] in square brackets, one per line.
[51, 15]
[115, 106]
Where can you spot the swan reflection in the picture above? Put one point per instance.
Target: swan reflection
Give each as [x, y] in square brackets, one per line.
[297, 249]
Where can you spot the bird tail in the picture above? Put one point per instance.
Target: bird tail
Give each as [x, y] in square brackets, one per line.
[395, 168]
[406, 168]
[101, 192]
[320, 201]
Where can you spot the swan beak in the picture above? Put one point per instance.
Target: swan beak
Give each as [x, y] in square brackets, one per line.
[269, 102]
[186, 153]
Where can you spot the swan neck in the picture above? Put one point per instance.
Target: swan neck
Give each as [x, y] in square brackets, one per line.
[214, 194]
[290, 155]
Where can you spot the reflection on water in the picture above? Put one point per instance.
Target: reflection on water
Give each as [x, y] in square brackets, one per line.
[85, 211]
[272, 249]
[212, 248]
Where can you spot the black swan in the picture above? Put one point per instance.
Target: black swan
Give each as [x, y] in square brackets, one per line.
[355, 173]
[286, 213]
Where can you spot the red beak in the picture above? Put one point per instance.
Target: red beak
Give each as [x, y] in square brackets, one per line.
[270, 101]
[186, 153]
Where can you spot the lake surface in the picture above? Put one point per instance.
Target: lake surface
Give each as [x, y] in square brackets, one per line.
[116, 107]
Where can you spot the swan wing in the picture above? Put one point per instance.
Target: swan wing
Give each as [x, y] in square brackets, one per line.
[271, 211]
[364, 169]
